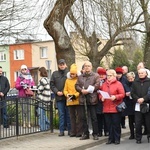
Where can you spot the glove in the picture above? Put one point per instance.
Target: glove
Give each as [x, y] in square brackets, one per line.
[25, 86]
[72, 97]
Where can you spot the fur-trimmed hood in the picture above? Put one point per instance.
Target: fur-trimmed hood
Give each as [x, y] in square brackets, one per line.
[68, 74]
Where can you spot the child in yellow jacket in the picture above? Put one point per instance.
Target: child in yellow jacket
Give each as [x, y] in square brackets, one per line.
[73, 101]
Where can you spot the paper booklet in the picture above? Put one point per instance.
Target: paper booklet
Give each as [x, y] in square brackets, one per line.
[104, 94]
[90, 89]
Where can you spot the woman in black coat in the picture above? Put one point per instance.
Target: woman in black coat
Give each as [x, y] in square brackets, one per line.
[130, 104]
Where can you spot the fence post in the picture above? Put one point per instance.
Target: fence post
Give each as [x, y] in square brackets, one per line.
[51, 116]
[17, 119]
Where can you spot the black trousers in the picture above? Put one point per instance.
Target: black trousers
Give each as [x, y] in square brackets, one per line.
[113, 121]
[92, 110]
[139, 118]
[131, 124]
[102, 126]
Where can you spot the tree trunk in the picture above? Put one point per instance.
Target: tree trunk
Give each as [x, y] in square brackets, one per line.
[144, 6]
[54, 24]
[147, 51]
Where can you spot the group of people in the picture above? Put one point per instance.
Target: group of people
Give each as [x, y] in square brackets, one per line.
[80, 102]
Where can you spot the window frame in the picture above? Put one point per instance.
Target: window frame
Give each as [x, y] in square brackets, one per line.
[19, 54]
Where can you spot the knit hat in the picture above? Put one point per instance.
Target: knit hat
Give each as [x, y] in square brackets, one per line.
[23, 67]
[101, 71]
[73, 68]
[119, 70]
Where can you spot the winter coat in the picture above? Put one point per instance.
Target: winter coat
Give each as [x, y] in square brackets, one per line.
[18, 84]
[129, 102]
[84, 81]
[70, 89]
[43, 92]
[99, 108]
[57, 83]
[140, 89]
[4, 85]
[113, 87]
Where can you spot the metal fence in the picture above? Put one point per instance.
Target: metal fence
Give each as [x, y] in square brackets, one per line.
[21, 116]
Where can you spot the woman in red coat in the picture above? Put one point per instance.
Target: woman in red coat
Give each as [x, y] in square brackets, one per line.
[113, 118]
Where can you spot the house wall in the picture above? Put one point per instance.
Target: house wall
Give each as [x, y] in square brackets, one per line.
[16, 64]
[5, 64]
[37, 61]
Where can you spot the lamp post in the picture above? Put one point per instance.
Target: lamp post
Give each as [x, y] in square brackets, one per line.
[48, 64]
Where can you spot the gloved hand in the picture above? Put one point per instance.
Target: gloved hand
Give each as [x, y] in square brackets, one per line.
[73, 97]
[25, 86]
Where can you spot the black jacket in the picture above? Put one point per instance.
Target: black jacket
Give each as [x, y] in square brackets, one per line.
[4, 85]
[57, 83]
[140, 89]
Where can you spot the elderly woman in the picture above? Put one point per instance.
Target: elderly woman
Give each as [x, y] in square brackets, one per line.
[112, 116]
[130, 104]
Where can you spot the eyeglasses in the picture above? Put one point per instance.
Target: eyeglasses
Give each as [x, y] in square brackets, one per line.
[109, 75]
[24, 69]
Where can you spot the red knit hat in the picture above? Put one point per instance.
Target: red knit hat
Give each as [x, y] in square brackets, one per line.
[101, 71]
[119, 70]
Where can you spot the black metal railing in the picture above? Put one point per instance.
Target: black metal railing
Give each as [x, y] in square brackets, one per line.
[21, 116]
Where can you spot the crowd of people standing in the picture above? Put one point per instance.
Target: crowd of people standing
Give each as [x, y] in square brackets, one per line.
[80, 93]
[82, 101]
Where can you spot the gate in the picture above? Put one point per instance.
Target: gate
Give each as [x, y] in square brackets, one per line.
[21, 116]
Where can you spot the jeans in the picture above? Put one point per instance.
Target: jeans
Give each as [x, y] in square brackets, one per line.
[64, 118]
[3, 113]
[43, 121]
[26, 109]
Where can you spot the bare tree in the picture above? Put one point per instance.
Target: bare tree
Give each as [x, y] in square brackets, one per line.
[18, 19]
[54, 25]
[145, 5]
[114, 20]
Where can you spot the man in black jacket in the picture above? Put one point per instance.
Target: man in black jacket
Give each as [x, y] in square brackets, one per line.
[4, 88]
[57, 83]
[140, 95]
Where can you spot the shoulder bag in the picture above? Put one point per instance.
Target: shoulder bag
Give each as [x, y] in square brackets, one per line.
[121, 107]
[144, 108]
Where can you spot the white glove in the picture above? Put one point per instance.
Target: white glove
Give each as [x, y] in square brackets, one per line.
[25, 86]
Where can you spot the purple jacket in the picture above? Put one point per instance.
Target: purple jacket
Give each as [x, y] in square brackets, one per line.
[21, 80]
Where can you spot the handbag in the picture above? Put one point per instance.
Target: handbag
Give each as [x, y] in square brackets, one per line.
[29, 92]
[121, 107]
[144, 108]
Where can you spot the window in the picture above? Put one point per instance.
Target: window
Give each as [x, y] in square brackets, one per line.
[43, 52]
[16, 74]
[18, 54]
[2, 56]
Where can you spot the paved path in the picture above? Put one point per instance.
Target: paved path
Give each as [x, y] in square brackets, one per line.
[51, 141]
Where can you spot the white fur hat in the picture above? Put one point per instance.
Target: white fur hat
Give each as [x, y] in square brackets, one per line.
[23, 67]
